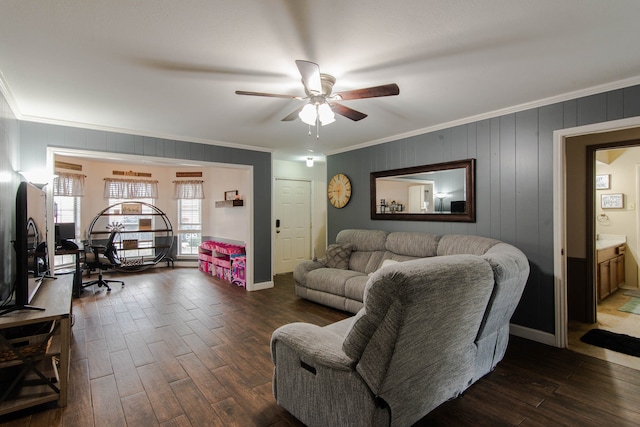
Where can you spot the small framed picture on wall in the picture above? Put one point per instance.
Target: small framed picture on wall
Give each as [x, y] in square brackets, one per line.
[603, 182]
[612, 201]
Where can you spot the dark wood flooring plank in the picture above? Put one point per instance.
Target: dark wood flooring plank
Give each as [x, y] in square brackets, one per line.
[107, 315]
[82, 418]
[181, 421]
[127, 323]
[138, 349]
[93, 329]
[164, 403]
[260, 410]
[203, 351]
[167, 362]
[125, 373]
[204, 333]
[99, 362]
[107, 407]
[79, 391]
[203, 378]
[114, 338]
[196, 406]
[232, 414]
[138, 410]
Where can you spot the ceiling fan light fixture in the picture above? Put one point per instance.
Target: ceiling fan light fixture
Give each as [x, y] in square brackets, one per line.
[308, 114]
[326, 114]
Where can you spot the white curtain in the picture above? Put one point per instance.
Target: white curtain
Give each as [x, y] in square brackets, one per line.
[115, 188]
[188, 189]
[68, 184]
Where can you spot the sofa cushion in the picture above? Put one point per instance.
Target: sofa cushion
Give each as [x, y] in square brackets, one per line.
[331, 280]
[387, 262]
[363, 240]
[354, 287]
[453, 244]
[338, 256]
[418, 245]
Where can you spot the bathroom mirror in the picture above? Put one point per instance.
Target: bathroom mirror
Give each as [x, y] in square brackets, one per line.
[438, 192]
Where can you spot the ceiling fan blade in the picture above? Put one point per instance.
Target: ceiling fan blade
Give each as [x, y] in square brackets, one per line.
[310, 72]
[270, 95]
[349, 113]
[370, 92]
[293, 115]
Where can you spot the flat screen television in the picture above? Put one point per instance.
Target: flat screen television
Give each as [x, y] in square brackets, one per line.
[30, 246]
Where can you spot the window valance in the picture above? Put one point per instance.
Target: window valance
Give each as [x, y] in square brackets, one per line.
[188, 189]
[68, 184]
[115, 188]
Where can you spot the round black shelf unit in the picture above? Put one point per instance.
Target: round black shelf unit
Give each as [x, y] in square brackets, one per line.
[145, 234]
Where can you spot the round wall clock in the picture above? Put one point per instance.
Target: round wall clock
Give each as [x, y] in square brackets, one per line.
[339, 190]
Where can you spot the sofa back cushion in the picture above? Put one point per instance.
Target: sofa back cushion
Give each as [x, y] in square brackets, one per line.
[416, 245]
[368, 248]
[453, 244]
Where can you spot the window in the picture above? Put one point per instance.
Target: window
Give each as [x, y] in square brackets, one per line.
[66, 209]
[189, 226]
[189, 194]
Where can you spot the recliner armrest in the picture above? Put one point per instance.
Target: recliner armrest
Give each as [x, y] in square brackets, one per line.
[304, 267]
[316, 345]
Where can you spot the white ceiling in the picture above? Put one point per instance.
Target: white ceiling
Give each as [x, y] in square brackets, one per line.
[170, 68]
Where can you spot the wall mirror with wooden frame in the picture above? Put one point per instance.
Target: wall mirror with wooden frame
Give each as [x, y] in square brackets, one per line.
[437, 192]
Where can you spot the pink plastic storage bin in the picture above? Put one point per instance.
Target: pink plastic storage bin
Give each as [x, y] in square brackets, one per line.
[204, 257]
[222, 262]
[228, 248]
[203, 266]
[208, 245]
[223, 273]
[238, 263]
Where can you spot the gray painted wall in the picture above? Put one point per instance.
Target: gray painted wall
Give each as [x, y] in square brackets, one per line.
[9, 181]
[36, 137]
[514, 183]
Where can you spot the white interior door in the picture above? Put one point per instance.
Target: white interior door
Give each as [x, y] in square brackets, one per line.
[293, 224]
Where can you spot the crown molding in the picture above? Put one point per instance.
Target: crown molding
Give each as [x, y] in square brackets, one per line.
[6, 92]
[619, 84]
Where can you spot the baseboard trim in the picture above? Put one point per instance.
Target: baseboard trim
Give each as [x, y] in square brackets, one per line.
[532, 334]
[262, 285]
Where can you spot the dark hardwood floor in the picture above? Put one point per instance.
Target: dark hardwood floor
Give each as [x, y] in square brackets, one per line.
[176, 347]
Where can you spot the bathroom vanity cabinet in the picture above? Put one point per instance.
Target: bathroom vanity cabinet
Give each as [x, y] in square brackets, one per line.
[610, 270]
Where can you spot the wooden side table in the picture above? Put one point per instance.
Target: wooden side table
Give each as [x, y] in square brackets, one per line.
[46, 357]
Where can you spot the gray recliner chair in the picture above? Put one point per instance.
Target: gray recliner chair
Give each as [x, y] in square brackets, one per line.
[410, 348]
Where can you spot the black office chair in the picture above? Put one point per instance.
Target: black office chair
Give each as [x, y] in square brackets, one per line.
[104, 257]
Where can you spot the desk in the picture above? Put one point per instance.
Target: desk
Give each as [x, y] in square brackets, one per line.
[77, 275]
[55, 297]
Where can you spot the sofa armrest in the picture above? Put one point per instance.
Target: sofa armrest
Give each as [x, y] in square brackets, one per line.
[314, 344]
[304, 267]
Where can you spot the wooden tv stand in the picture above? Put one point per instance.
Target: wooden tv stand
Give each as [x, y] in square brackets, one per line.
[52, 362]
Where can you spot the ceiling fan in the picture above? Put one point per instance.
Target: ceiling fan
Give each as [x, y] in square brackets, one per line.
[321, 102]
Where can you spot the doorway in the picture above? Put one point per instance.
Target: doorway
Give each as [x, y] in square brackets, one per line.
[570, 217]
[575, 231]
[293, 223]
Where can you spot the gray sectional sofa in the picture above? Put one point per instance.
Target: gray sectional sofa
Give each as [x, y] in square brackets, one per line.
[340, 284]
[426, 328]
